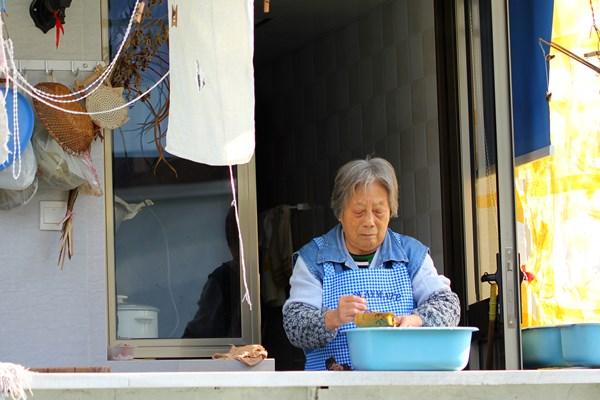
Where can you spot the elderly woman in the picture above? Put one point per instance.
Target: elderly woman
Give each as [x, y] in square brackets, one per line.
[362, 265]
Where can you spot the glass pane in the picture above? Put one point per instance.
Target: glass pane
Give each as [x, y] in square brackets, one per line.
[175, 251]
[176, 269]
[484, 183]
[483, 146]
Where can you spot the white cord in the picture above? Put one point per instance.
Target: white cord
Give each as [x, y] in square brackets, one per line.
[246, 296]
[95, 112]
[73, 96]
[546, 66]
[16, 167]
[34, 95]
[169, 283]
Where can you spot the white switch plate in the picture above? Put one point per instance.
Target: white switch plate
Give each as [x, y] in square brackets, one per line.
[51, 214]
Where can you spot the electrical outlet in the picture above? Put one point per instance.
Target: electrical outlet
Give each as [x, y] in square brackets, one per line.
[52, 214]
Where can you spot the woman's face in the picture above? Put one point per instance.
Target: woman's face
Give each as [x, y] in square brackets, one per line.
[365, 219]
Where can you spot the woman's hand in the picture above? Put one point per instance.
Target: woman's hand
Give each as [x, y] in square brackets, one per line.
[348, 307]
[411, 320]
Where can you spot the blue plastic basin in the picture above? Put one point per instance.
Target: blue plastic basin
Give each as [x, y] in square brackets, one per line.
[409, 349]
[542, 347]
[581, 344]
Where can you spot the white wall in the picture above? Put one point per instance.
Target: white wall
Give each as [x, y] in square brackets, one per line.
[50, 317]
[81, 40]
[368, 88]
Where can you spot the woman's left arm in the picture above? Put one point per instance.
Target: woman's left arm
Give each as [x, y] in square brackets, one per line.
[442, 308]
[436, 304]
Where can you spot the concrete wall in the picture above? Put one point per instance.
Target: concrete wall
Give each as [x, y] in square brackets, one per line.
[368, 88]
[51, 317]
[483, 385]
[81, 41]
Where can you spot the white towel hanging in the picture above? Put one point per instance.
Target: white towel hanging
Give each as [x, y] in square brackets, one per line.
[211, 117]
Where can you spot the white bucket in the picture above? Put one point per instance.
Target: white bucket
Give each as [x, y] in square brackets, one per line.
[137, 321]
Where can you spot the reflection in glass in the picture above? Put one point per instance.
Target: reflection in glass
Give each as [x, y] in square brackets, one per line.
[483, 145]
[218, 313]
[170, 233]
[169, 215]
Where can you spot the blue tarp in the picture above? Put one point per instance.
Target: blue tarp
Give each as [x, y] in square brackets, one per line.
[529, 21]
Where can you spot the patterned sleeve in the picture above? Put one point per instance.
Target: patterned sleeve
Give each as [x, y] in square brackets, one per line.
[305, 326]
[442, 308]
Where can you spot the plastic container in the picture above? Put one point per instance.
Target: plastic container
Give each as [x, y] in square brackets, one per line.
[542, 347]
[136, 321]
[409, 349]
[25, 120]
[581, 344]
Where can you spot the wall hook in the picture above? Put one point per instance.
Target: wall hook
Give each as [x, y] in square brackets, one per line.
[74, 71]
[22, 70]
[49, 72]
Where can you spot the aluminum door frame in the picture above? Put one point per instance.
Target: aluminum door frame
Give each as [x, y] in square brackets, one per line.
[508, 267]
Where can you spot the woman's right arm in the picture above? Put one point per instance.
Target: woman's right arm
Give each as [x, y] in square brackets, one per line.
[305, 326]
[303, 312]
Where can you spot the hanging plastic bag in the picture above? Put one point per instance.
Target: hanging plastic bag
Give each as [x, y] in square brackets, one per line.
[27, 175]
[61, 170]
[4, 132]
[15, 198]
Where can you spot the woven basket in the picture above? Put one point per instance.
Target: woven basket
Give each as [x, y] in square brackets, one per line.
[74, 132]
[106, 98]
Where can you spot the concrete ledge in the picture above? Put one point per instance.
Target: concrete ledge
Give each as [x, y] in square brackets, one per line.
[198, 365]
[177, 380]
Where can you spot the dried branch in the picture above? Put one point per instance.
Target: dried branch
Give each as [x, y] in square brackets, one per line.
[66, 237]
[142, 55]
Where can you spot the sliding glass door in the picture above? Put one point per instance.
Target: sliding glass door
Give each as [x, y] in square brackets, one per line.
[488, 178]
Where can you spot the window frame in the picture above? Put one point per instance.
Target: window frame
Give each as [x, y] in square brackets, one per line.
[184, 348]
[190, 348]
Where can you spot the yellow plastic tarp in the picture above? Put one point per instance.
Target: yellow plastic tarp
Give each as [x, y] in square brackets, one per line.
[558, 197]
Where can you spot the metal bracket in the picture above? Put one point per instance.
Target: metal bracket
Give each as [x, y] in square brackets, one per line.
[510, 284]
[74, 66]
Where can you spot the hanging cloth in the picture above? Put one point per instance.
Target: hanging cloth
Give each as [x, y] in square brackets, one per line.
[59, 26]
[211, 118]
[15, 381]
[276, 255]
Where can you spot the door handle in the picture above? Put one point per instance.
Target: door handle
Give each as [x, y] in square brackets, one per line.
[508, 301]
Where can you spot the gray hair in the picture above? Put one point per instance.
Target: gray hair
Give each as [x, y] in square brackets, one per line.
[362, 173]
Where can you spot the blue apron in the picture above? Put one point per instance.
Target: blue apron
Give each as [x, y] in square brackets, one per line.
[386, 290]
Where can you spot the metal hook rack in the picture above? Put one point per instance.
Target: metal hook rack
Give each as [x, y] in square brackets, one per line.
[75, 66]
